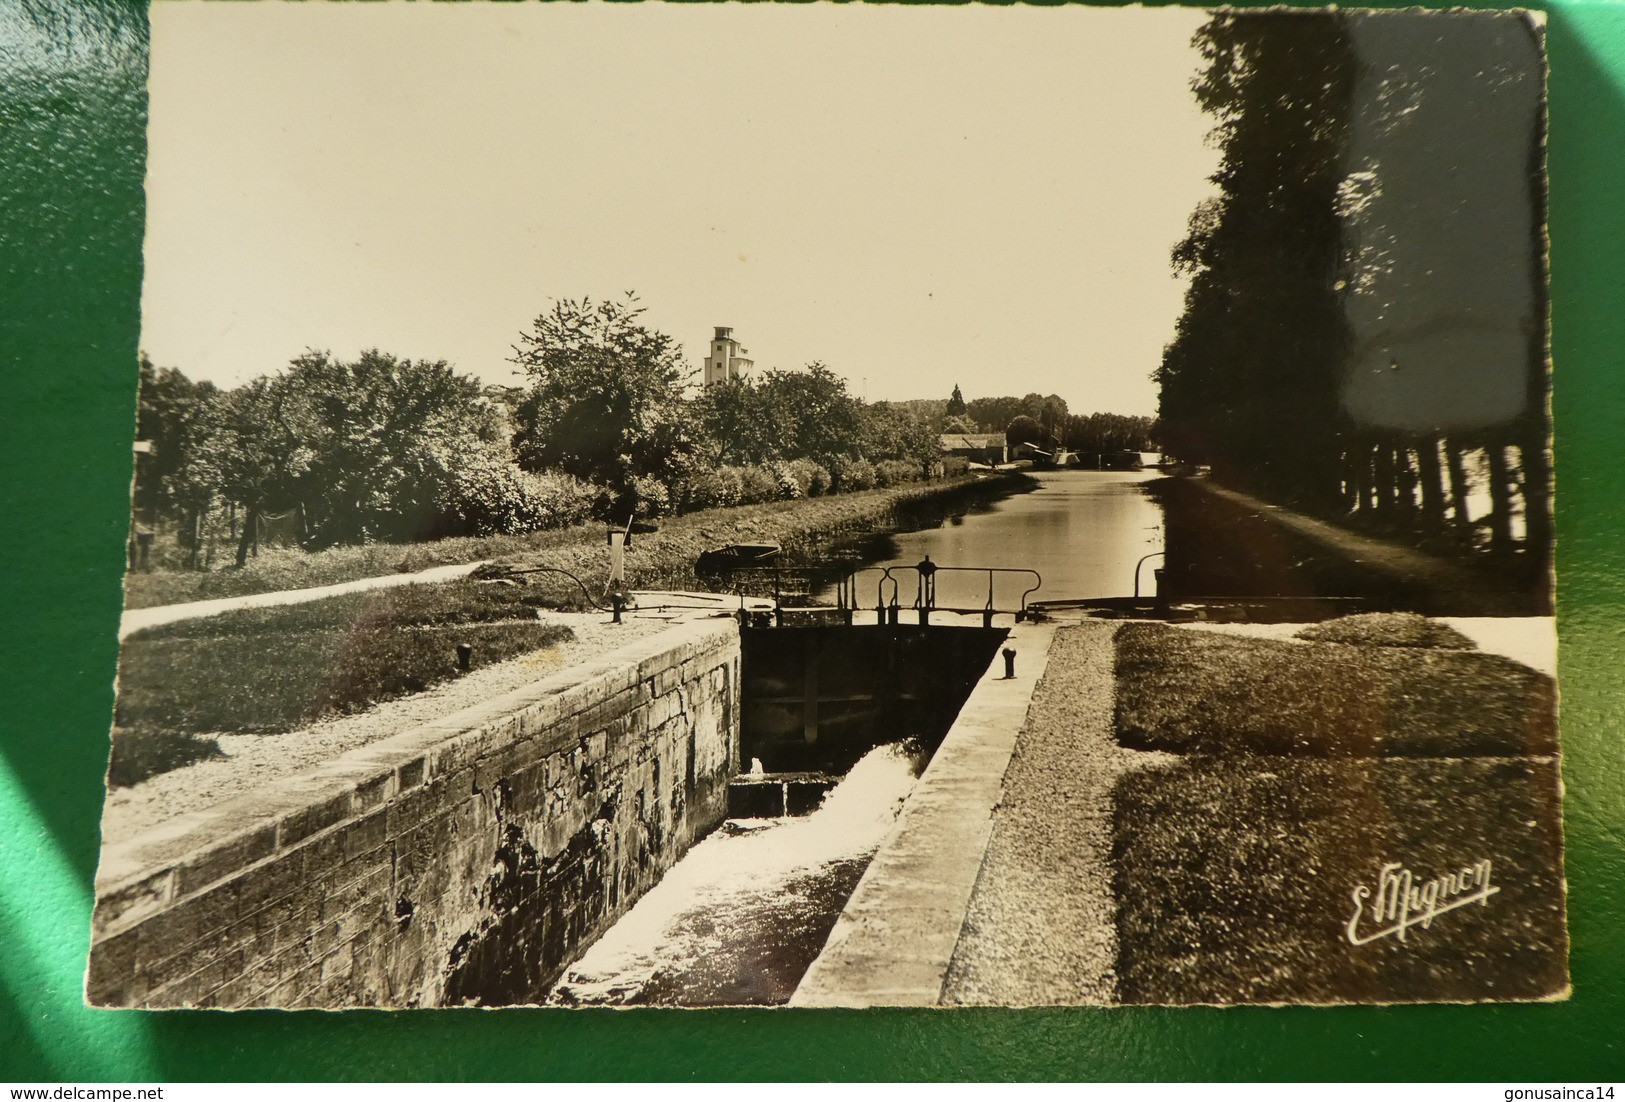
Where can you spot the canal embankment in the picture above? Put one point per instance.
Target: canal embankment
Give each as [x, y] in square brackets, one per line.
[660, 560]
[895, 939]
[464, 860]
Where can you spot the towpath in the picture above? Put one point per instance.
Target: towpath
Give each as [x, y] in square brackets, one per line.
[1453, 584]
[996, 887]
[646, 601]
[1040, 928]
[138, 619]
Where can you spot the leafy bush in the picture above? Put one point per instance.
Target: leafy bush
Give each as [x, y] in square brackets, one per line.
[852, 475]
[954, 465]
[756, 485]
[788, 487]
[650, 497]
[811, 477]
[895, 472]
[486, 495]
[708, 489]
[489, 495]
[560, 500]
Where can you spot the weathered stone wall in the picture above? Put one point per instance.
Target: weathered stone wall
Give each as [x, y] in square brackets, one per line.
[465, 861]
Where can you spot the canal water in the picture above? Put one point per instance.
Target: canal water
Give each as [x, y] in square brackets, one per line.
[1083, 531]
[741, 917]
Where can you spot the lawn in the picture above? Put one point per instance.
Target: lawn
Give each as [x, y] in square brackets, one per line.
[274, 670]
[1305, 769]
[1234, 879]
[1201, 692]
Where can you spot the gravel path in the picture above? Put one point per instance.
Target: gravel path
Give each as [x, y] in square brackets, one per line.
[136, 619]
[1041, 925]
[254, 760]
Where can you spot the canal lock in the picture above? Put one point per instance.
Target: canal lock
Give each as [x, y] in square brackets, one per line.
[836, 724]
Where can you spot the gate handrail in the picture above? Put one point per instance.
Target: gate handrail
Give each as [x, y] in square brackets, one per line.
[925, 573]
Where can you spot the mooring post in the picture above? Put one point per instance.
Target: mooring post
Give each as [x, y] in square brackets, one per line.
[1009, 663]
[618, 543]
[465, 656]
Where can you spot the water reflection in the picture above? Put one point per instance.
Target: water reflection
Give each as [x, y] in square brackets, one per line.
[742, 916]
[1084, 531]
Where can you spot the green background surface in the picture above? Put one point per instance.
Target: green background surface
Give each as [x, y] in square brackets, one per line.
[72, 112]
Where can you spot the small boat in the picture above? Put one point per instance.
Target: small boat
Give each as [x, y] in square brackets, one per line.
[736, 556]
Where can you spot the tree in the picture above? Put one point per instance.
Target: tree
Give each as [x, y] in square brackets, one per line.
[1024, 430]
[1052, 418]
[363, 450]
[956, 403]
[929, 410]
[385, 437]
[603, 386]
[1108, 432]
[892, 432]
[253, 454]
[808, 414]
[1250, 381]
[172, 414]
[730, 422]
[993, 414]
[960, 424]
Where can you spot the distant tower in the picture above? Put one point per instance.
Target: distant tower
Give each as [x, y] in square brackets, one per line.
[726, 359]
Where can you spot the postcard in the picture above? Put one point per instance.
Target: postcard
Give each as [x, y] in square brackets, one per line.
[826, 506]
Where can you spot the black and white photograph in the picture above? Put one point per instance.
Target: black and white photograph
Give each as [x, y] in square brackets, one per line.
[838, 506]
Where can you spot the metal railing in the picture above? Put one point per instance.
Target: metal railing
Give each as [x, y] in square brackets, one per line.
[925, 591]
[789, 588]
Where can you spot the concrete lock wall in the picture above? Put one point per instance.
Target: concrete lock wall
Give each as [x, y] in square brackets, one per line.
[465, 861]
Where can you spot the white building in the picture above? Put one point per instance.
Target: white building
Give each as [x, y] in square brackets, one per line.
[727, 358]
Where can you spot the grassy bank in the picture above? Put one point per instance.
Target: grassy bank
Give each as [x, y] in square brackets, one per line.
[272, 670]
[664, 558]
[1234, 879]
[1308, 767]
[1197, 692]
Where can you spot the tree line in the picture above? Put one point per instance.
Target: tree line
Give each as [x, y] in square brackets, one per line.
[387, 449]
[1255, 382]
[1042, 420]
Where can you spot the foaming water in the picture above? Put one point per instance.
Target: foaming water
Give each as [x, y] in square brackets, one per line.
[741, 917]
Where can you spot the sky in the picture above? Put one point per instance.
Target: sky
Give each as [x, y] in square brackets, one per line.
[917, 196]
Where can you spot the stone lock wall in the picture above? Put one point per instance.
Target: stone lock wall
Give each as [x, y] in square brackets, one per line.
[467, 861]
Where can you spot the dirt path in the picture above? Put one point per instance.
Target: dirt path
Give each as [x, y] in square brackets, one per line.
[137, 619]
[1456, 585]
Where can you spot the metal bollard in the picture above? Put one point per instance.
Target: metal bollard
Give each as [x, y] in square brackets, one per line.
[1009, 663]
[465, 656]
